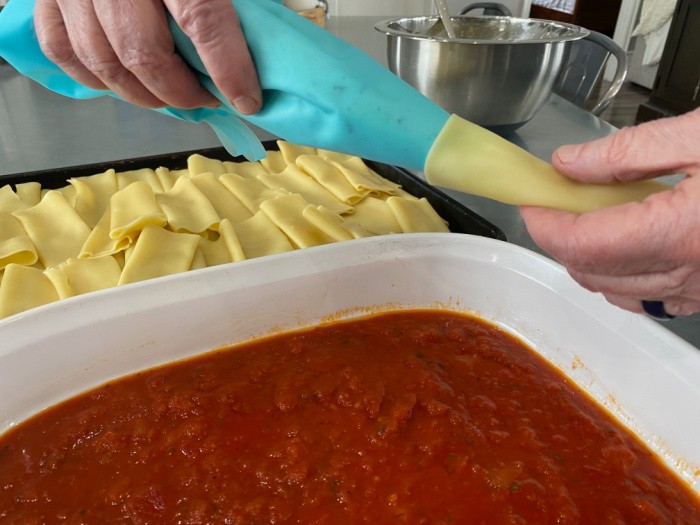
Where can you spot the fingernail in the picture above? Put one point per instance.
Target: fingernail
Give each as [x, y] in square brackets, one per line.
[246, 105]
[568, 154]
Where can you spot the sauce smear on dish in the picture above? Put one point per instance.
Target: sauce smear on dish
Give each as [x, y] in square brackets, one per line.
[407, 417]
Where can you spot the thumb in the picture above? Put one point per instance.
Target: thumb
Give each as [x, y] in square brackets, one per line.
[661, 147]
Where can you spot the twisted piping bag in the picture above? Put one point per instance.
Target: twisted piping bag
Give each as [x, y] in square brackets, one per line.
[320, 91]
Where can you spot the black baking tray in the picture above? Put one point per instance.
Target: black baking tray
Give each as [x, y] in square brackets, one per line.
[460, 218]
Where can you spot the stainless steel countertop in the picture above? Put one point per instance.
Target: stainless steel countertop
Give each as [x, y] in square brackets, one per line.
[42, 130]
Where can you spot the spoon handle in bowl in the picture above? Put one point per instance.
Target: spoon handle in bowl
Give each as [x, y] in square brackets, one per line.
[445, 17]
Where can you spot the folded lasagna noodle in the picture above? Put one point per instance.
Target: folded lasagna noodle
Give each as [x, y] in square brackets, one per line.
[115, 228]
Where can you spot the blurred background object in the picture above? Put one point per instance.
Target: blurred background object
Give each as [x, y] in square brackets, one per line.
[314, 10]
[597, 15]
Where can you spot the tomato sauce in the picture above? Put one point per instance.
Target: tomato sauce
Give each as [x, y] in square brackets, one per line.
[408, 417]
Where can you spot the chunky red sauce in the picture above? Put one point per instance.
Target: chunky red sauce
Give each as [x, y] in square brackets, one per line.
[413, 417]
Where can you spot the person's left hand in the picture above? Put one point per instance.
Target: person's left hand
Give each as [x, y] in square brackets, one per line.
[126, 46]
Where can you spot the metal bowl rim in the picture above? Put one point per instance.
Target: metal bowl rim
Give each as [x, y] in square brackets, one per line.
[578, 31]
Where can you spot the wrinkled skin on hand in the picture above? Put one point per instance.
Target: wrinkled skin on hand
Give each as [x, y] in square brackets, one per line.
[126, 46]
[648, 250]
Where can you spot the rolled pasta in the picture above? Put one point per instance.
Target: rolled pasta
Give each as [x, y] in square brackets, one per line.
[259, 236]
[187, 209]
[159, 252]
[251, 192]
[79, 276]
[376, 216]
[225, 203]
[56, 240]
[227, 248]
[294, 180]
[15, 245]
[116, 228]
[287, 214]
[330, 177]
[23, 288]
[197, 164]
[132, 209]
[416, 215]
[92, 195]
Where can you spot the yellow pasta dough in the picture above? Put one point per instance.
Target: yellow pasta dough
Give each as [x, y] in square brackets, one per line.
[251, 192]
[328, 222]
[416, 215]
[335, 156]
[68, 193]
[274, 162]
[55, 228]
[197, 164]
[259, 236]
[227, 248]
[330, 178]
[78, 276]
[364, 179]
[115, 228]
[376, 216]
[9, 200]
[15, 245]
[132, 209]
[249, 170]
[294, 180]
[198, 261]
[23, 288]
[99, 242]
[147, 175]
[290, 152]
[29, 193]
[187, 209]
[167, 178]
[472, 159]
[225, 203]
[159, 252]
[92, 195]
[287, 214]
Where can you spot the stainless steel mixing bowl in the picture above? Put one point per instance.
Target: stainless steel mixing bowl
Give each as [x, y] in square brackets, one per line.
[497, 72]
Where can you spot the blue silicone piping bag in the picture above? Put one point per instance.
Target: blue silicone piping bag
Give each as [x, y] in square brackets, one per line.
[320, 91]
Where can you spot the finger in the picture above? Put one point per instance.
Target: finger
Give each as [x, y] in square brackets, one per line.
[626, 303]
[214, 28]
[634, 238]
[651, 149]
[139, 35]
[675, 306]
[55, 44]
[681, 306]
[93, 49]
[671, 283]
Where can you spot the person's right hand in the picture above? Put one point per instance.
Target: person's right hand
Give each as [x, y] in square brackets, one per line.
[126, 46]
[637, 251]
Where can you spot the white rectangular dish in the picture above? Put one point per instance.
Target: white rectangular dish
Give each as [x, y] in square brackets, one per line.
[643, 374]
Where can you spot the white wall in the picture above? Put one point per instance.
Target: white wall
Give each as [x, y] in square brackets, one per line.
[379, 7]
[517, 7]
[412, 7]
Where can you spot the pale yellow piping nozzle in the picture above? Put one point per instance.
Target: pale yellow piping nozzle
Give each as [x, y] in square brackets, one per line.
[469, 158]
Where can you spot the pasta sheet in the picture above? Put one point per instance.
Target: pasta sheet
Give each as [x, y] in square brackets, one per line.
[116, 228]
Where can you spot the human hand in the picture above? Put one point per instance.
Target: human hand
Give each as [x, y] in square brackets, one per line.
[126, 46]
[636, 251]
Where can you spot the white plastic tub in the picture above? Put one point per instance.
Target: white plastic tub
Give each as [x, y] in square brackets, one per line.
[645, 375]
